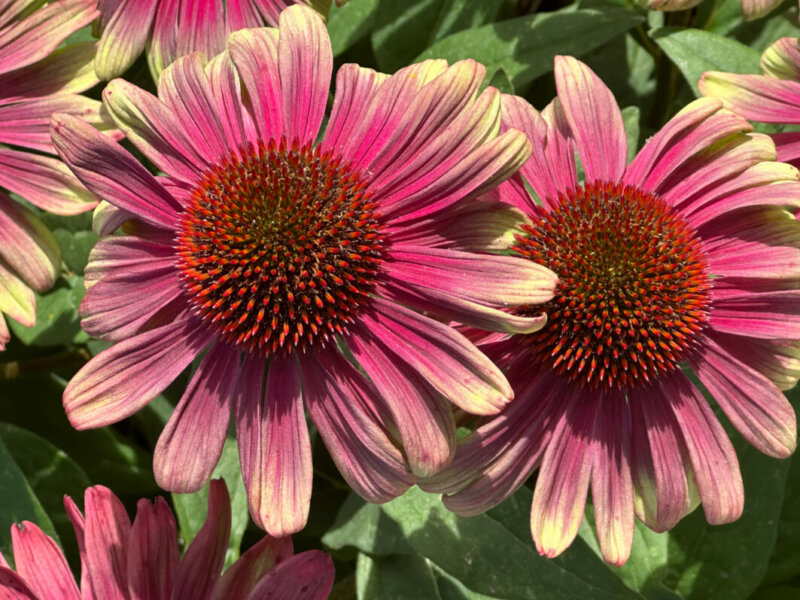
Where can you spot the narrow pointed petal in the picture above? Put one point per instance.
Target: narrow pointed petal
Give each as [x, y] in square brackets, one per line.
[79, 525]
[594, 118]
[344, 407]
[41, 563]
[124, 37]
[122, 379]
[191, 443]
[153, 558]
[107, 533]
[306, 576]
[202, 562]
[243, 575]
[305, 60]
[27, 246]
[755, 406]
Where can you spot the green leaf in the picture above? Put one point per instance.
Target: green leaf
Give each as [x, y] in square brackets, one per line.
[402, 30]
[630, 119]
[778, 592]
[19, 502]
[694, 52]
[350, 23]
[525, 46]
[191, 509]
[493, 553]
[366, 527]
[57, 320]
[451, 588]
[75, 248]
[396, 577]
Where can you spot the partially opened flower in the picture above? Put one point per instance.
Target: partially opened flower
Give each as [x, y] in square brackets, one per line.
[173, 28]
[120, 560]
[773, 97]
[36, 79]
[283, 259]
[684, 261]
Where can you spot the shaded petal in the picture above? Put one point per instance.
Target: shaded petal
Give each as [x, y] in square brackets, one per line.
[344, 408]
[777, 360]
[594, 118]
[13, 587]
[27, 246]
[107, 533]
[305, 61]
[755, 9]
[67, 70]
[243, 575]
[713, 459]
[122, 379]
[226, 87]
[755, 97]
[191, 443]
[112, 172]
[612, 488]
[16, 299]
[763, 314]
[79, 525]
[306, 576]
[153, 555]
[124, 37]
[757, 408]
[41, 563]
[782, 59]
[202, 562]
[563, 481]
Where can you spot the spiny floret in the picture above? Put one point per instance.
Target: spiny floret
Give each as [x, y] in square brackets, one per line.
[279, 247]
[633, 290]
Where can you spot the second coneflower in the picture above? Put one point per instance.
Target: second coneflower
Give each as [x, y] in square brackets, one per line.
[684, 261]
[283, 258]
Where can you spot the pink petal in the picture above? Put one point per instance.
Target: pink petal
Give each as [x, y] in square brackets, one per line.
[190, 446]
[306, 576]
[755, 97]
[757, 408]
[107, 532]
[13, 587]
[202, 562]
[243, 575]
[112, 172]
[41, 563]
[782, 59]
[79, 525]
[344, 408]
[226, 87]
[153, 555]
[16, 299]
[305, 61]
[163, 47]
[787, 145]
[563, 481]
[763, 314]
[124, 37]
[777, 360]
[122, 379]
[67, 70]
[612, 489]
[594, 118]
[274, 445]
[780, 193]
[201, 28]
[713, 459]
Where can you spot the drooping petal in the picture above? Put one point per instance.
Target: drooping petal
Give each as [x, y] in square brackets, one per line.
[755, 97]
[243, 575]
[124, 37]
[274, 445]
[41, 563]
[122, 379]
[191, 443]
[306, 576]
[106, 536]
[67, 70]
[16, 299]
[594, 118]
[755, 406]
[777, 360]
[782, 59]
[153, 557]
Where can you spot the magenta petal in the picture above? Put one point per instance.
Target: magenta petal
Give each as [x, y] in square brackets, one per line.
[594, 118]
[190, 445]
[243, 575]
[107, 532]
[345, 408]
[612, 488]
[563, 482]
[79, 525]
[202, 562]
[713, 459]
[306, 576]
[153, 556]
[757, 408]
[124, 37]
[112, 172]
[122, 379]
[41, 563]
[13, 587]
[274, 445]
[305, 61]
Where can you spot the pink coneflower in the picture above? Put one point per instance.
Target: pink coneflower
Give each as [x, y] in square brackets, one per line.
[683, 261]
[771, 98]
[35, 80]
[173, 28]
[283, 258]
[120, 560]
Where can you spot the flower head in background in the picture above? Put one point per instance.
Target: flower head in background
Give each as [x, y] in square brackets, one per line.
[283, 259]
[773, 97]
[685, 259]
[751, 9]
[36, 79]
[120, 560]
[174, 28]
